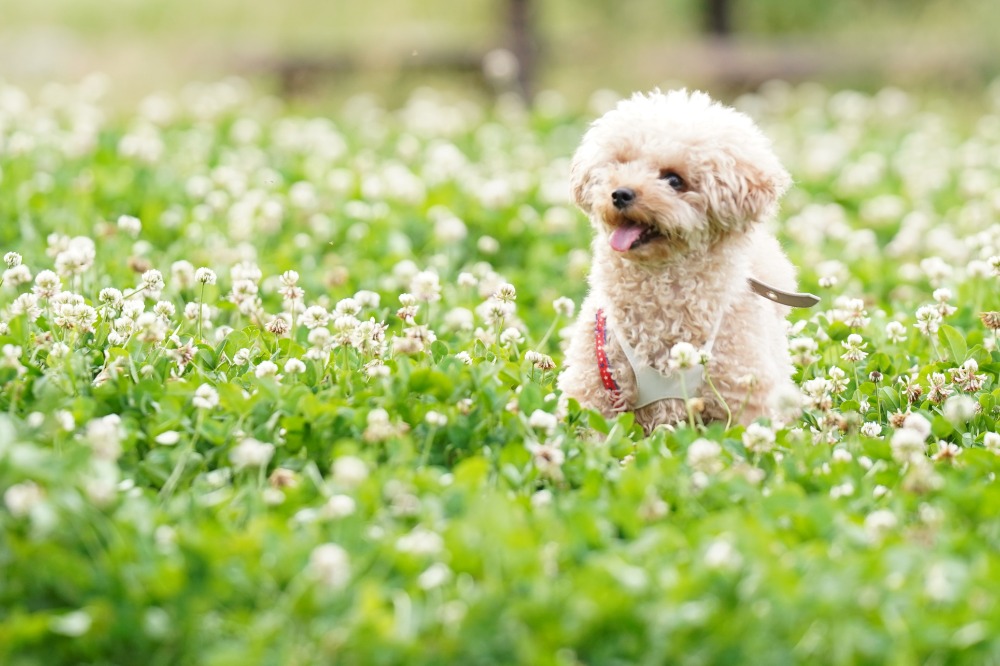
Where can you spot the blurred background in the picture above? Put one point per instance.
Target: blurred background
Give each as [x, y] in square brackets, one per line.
[323, 49]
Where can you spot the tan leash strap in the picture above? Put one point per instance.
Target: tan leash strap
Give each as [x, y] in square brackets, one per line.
[789, 298]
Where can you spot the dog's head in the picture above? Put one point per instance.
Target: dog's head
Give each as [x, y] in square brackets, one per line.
[663, 172]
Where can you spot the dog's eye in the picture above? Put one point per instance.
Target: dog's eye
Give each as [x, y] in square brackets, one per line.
[673, 180]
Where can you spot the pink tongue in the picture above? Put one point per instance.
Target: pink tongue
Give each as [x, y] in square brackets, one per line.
[621, 238]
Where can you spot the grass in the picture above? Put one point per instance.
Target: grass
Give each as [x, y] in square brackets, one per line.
[267, 397]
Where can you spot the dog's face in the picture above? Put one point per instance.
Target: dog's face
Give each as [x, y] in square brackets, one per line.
[662, 173]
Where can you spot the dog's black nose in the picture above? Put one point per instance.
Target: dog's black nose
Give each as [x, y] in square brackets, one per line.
[623, 197]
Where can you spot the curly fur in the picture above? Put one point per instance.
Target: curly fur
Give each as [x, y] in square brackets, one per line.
[709, 241]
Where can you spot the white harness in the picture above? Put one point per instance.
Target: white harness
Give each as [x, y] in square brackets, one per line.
[652, 385]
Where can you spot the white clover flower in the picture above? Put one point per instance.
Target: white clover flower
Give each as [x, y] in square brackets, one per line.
[330, 565]
[895, 332]
[150, 328]
[152, 280]
[494, 312]
[758, 438]
[907, 445]
[459, 319]
[350, 471]
[251, 453]
[132, 308]
[991, 442]
[64, 420]
[947, 451]
[539, 360]
[854, 344]
[505, 293]
[853, 312]
[845, 489]
[705, 456]
[26, 304]
[367, 299]
[347, 306]
[871, 429]
[165, 310]
[436, 419]
[167, 438]
[464, 357]
[787, 403]
[488, 245]
[289, 278]
[338, 506]
[75, 316]
[511, 336]
[314, 317]
[58, 351]
[966, 376]
[434, 576]
[803, 351]
[104, 435]
[684, 355]
[77, 257]
[243, 356]
[919, 423]
[47, 284]
[548, 460]
[542, 498]
[267, 369]
[426, 286]
[721, 554]
[203, 311]
[182, 273]
[564, 307]
[544, 421]
[111, 297]
[936, 269]
[466, 279]
[294, 366]
[878, 524]
[942, 296]
[205, 397]
[928, 320]
[22, 498]
[12, 259]
[16, 276]
[279, 324]
[420, 541]
[205, 276]
[841, 456]
[72, 624]
[959, 409]
[10, 357]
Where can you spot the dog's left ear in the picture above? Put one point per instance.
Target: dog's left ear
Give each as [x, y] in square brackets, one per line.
[580, 171]
[744, 192]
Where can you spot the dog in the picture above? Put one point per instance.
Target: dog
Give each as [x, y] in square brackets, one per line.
[678, 189]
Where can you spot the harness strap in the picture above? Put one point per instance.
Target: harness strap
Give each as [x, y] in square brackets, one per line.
[600, 339]
[652, 385]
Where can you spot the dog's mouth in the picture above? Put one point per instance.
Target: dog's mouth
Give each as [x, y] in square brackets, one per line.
[631, 235]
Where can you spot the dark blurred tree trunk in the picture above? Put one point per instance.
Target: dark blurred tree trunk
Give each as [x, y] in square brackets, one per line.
[719, 17]
[523, 43]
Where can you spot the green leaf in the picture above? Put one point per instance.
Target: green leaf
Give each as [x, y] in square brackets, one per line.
[955, 341]
[439, 350]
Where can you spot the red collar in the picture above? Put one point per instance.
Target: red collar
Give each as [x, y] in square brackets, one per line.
[600, 339]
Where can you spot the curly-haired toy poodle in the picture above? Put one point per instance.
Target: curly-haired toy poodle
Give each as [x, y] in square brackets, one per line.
[678, 189]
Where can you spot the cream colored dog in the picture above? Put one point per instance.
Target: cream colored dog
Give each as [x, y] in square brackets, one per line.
[677, 188]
